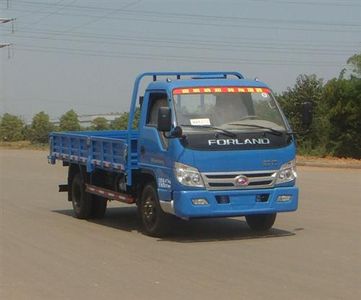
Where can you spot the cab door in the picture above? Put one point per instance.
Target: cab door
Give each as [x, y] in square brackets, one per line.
[153, 146]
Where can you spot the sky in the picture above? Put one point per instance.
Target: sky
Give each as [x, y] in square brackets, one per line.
[85, 54]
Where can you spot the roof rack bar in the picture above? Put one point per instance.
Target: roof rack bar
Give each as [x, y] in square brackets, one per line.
[180, 74]
[217, 76]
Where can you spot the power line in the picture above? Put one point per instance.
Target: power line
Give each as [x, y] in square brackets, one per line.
[215, 60]
[197, 38]
[182, 15]
[268, 28]
[252, 47]
[37, 11]
[313, 3]
[104, 15]
[185, 40]
[220, 21]
[54, 12]
[321, 3]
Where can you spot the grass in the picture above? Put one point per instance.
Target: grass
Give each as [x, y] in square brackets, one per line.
[23, 145]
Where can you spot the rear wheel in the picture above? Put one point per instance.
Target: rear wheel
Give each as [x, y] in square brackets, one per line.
[261, 222]
[82, 202]
[99, 206]
[154, 220]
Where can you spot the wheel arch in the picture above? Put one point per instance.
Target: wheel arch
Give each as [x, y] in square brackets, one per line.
[144, 177]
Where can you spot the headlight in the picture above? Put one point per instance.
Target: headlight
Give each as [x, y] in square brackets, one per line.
[187, 175]
[287, 172]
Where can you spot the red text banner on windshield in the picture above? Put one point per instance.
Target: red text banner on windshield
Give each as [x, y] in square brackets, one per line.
[219, 89]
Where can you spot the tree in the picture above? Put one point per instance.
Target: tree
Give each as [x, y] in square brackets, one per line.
[69, 121]
[40, 128]
[121, 122]
[355, 63]
[308, 88]
[100, 123]
[11, 128]
[343, 100]
[136, 120]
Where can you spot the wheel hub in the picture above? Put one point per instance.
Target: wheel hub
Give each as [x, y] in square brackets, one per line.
[149, 210]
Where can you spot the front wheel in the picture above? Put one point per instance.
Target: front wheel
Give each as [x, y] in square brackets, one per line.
[154, 220]
[261, 222]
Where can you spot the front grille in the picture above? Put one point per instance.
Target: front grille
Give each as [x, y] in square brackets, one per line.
[227, 180]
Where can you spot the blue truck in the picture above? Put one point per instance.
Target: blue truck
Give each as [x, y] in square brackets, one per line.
[207, 144]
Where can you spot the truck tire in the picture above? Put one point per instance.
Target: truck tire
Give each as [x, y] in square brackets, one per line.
[154, 220]
[98, 207]
[82, 202]
[261, 222]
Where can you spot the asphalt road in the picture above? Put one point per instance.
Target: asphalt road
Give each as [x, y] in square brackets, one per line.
[313, 253]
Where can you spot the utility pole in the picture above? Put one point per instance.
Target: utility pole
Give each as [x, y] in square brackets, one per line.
[8, 45]
[7, 20]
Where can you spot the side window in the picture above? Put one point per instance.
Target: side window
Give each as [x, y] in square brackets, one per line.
[156, 100]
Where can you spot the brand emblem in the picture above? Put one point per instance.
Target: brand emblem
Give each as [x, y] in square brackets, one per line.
[253, 141]
[241, 180]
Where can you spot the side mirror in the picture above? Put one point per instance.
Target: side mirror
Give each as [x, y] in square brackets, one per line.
[164, 119]
[307, 113]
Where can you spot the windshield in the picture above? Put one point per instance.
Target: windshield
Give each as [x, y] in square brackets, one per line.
[232, 108]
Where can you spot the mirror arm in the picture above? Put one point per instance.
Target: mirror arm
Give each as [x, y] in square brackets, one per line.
[167, 136]
[175, 133]
[171, 136]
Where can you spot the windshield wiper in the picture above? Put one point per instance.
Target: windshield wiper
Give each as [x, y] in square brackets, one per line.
[225, 132]
[271, 130]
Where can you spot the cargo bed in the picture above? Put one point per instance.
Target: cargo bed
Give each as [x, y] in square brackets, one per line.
[106, 150]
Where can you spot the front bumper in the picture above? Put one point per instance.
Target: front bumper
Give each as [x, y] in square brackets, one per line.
[241, 202]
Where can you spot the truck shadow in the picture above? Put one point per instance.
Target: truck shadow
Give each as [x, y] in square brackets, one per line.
[192, 231]
[123, 218]
[218, 229]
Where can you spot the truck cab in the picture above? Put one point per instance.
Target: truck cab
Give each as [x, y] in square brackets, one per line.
[235, 154]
